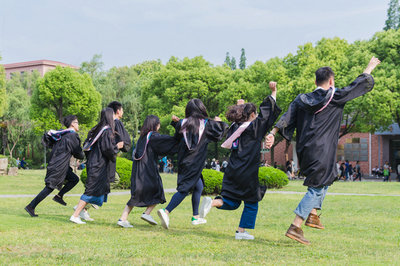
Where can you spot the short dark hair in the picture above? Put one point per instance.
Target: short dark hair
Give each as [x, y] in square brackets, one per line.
[67, 121]
[323, 74]
[115, 106]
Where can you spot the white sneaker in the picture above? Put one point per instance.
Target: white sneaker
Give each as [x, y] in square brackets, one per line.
[205, 206]
[85, 215]
[76, 220]
[164, 218]
[198, 221]
[245, 235]
[148, 218]
[124, 224]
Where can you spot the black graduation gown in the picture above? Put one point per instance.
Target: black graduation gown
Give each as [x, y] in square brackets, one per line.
[99, 157]
[191, 162]
[146, 184]
[318, 134]
[241, 176]
[69, 145]
[120, 135]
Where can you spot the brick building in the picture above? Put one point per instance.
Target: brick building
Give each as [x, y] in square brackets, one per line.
[42, 66]
[370, 149]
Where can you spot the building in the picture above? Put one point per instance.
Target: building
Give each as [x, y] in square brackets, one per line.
[42, 66]
[370, 149]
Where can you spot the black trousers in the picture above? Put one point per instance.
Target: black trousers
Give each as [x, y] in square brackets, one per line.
[72, 180]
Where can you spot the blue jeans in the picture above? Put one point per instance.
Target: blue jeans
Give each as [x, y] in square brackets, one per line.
[312, 200]
[249, 214]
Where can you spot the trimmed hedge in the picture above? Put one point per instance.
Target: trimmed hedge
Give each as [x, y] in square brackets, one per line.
[122, 177]
[268, 176]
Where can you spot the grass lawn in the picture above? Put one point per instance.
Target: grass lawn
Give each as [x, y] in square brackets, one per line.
[359, 230]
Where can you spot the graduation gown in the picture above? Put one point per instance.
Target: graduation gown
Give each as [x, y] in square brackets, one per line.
[240, 180]
[146, 184]
[69, 145]
[120, 135]
[191, 162]
[99, 157]
[318, 133]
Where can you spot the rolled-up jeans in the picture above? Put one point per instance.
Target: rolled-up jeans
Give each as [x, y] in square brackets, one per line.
[312, 200]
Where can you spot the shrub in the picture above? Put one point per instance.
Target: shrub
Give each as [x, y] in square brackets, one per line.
[12, 162]
[268, 176]
[272, 178]
[212, 181]
[124, 168]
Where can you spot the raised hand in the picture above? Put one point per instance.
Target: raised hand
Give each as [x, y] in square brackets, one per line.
[272, 86]
[372, 64]
[240, 101]
[217, 119]
[175, 118]
[120, 145]
[269, 141]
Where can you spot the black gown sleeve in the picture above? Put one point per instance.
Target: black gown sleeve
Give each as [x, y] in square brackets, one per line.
[287, 123]
[215, 130]
[177, 126]
[122, 135]
[75, 147]
[360, 86]
[163, 144]
[108, 147]
[269, 112]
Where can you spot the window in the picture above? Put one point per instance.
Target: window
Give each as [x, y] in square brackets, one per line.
[355, 149]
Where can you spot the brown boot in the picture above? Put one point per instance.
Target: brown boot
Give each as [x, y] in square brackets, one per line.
[296, 233]
[314, 221]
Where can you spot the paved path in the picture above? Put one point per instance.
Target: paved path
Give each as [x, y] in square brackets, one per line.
[172, 190]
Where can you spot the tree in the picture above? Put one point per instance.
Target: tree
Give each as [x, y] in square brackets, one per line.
[3, 94]
[233, 63]
[62, 92]
[228, 59]
[393, 16]
[242, 62]
[385, 106]
[17, 116]
[94, 67]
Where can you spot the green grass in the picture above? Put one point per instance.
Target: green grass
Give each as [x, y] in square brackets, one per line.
[359, 230]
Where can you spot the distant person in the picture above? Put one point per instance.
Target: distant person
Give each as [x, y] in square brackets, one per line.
[23, 163]
[357, 171]
[224, 165]
[217, 166]
[213, 164]
[275, 165]
[386, 172]
[347, 169]
[18, 162]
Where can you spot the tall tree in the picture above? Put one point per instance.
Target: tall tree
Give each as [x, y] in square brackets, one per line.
[62, 92]
[393, 16]
[94, 67]
[17, 116]
[3, 94]
[242, 62]
[233, 63]
[228, 59]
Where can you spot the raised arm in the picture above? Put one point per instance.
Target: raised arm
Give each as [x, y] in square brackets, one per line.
[360, 86]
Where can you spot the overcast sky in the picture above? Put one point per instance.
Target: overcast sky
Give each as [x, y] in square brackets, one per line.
[130, 32]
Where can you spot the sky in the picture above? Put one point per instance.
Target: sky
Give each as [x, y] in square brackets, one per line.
[130, 32]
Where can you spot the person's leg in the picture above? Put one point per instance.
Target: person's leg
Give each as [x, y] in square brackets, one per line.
[79, 208]
[149, 209]
[40, 197]
[126, 212]
[249, 215]
[72, 180]
[176, 199]
[311, 200]
[198, 189]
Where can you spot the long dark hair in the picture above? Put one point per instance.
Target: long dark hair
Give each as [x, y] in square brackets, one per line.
[195, 110]
[106, 118]
[240, 113]
[150, 124]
